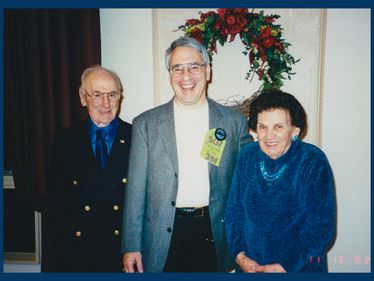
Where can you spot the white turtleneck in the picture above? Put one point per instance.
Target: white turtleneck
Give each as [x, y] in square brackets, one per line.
[191, 125]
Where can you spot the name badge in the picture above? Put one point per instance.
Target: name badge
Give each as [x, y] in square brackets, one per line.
[213, 146]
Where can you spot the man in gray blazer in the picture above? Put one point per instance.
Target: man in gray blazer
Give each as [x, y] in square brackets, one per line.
[182, 158]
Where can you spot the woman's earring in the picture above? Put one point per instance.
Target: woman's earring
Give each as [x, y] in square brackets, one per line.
[253, 135]
[294, 138]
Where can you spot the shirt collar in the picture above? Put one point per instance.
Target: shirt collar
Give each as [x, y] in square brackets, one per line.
[110, 130]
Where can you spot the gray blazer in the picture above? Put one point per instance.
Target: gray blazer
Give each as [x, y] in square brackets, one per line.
[153, 182]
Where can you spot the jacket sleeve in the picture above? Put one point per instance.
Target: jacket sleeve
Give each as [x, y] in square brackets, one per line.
[318, 229]
[55, 192]
[234, 213]
[244, 137]
[56, 215]
[133, 212]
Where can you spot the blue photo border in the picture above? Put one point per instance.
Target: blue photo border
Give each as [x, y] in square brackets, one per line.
[4, 4]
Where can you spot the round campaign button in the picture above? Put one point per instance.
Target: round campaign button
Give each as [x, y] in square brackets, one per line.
[220, 134]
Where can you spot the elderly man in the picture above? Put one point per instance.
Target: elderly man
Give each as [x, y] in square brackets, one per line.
[87, 180]
[182, 160]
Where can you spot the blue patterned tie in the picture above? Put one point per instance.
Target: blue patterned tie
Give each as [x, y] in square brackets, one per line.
[101, 150]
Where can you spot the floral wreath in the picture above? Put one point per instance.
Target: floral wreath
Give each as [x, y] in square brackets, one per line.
[262, 39]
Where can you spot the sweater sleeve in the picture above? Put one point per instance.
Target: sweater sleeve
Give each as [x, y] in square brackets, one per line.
[234, 214]
[318, 221]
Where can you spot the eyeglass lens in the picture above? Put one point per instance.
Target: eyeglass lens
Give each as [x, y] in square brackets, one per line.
[193, 68]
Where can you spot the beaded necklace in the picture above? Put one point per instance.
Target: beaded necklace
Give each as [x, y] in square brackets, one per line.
[271, 177]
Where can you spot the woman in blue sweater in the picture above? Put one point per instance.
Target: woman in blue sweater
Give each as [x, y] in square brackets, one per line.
[280, 215]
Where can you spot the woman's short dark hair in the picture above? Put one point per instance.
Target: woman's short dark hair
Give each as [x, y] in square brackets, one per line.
[276, 99]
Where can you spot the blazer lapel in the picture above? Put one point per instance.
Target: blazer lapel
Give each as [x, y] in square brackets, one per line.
[215, 116]
[216, 120]
[166, 132]
[85, 145]
[119, 140]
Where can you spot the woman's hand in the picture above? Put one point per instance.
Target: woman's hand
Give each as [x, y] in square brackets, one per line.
[275, 267]
[246, 264]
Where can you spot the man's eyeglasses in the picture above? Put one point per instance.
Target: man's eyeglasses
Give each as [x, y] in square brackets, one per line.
[98, 96]
[194, 68]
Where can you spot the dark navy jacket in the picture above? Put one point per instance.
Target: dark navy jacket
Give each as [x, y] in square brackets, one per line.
[85, 204]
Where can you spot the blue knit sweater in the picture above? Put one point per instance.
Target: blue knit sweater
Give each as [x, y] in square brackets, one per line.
[283, 210]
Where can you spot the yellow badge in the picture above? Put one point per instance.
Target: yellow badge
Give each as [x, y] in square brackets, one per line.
[213, 146]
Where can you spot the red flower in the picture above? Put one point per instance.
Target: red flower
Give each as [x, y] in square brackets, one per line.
[217, 25]
[233, 34]
[233, 16]
[230, 20]
[204, 16]
[243, 11]
[269, 42]
[257, 44]
[279, 46]
[222, 12]
[261, 50]
[242, 21]
[224, 32]
[192, 21]
[269, 19]
[230, 30]
[265, 32]
[198, 35]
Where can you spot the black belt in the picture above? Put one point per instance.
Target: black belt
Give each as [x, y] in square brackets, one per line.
[192, 212]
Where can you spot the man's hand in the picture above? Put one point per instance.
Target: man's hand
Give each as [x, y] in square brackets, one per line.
[132, 262]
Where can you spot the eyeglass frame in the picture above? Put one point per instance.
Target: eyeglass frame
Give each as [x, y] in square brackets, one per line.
[188, 66]
[102, 96]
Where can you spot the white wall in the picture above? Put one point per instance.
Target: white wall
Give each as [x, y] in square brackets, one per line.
[127, 48]
[346, 133]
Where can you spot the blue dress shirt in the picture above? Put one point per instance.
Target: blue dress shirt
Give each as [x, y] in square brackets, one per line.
[109, 131]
